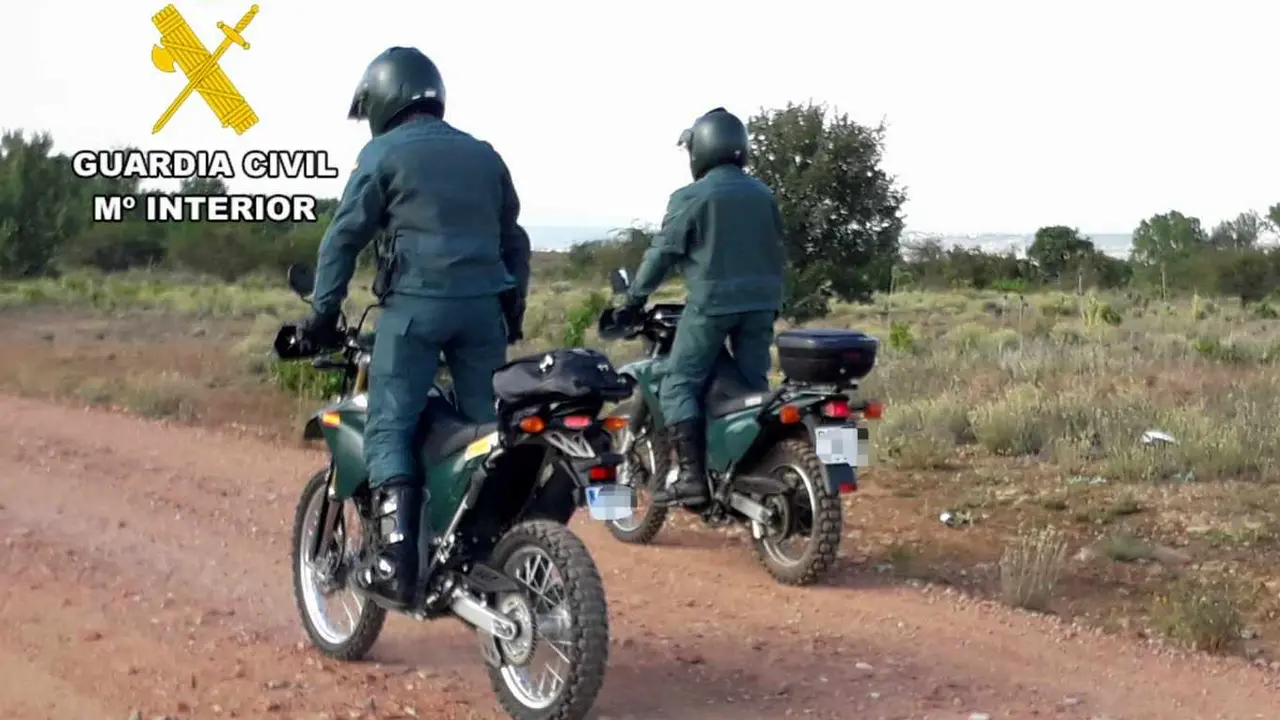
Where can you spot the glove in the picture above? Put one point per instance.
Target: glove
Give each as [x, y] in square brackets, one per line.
[629, 315]
[513, 315]
[321, 330]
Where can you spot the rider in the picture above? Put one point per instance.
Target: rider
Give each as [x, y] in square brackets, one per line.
[724, 233]
[457, 279]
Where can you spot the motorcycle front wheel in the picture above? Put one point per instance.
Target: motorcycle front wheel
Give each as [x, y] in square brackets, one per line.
[644, 469]
[341, 622]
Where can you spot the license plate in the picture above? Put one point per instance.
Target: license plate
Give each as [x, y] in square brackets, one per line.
[837, 445]
[611, 502]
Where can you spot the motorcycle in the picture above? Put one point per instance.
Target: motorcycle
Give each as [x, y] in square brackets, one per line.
[495, 550]
[778, 460]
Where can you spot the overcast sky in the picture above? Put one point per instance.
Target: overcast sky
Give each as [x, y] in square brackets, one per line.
[1003, 116]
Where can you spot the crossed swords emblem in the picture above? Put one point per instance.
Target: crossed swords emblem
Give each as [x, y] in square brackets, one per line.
[180, 48]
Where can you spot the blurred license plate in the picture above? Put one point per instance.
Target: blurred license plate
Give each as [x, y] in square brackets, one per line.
[837, 445]
[610, 502]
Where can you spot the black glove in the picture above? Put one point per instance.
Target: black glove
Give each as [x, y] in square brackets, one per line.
[629, 315]
[513, 315]
[321, 330]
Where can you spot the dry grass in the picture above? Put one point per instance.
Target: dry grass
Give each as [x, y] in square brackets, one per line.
[164, 396]
[1207, 615]
[1018, 412]
[1062, 386]
[1063, 380]
[1031, 567]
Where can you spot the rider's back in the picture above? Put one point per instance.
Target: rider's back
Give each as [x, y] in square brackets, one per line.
[736, 256]
[445, 199]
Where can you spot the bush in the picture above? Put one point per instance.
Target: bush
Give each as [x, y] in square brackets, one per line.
[1206, 615]
[303, 380]
[582, 317]
[1030, 568]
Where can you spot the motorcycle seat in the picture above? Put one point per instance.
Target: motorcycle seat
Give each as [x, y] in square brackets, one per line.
[446, 430]
[729, 394]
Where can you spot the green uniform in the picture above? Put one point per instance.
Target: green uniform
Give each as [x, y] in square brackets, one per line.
[447, 201]
[412, 334]
[699, 340]
[724, 233]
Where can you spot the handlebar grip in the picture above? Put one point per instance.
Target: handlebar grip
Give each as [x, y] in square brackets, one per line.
[289, 344]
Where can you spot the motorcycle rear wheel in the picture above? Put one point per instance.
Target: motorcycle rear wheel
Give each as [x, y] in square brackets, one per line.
[813, 509]
[570, 626]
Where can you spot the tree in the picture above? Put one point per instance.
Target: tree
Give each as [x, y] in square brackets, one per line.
[227, 251]
[1238, 234]
[841, 212]
[1167, 237]
[1247, 273]
[1101, 270]
[202, 186]
[115, 246]
[1058, 249]
[595, 259]
[1273, 216]
[38, 204]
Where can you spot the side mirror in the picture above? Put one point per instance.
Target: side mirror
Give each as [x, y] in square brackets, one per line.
[302, 280]
[620, 281]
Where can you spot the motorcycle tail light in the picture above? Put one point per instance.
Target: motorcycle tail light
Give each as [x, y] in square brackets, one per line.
[836, 409]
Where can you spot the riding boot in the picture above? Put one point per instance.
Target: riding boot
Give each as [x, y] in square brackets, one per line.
[690, 488]
[393, 573]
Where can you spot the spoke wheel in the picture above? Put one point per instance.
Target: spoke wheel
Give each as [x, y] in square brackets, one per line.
[557, 669]
[341, 622]
[643, 468]
[809, 538]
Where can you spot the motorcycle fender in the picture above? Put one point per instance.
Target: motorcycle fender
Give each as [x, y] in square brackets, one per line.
[840, 477]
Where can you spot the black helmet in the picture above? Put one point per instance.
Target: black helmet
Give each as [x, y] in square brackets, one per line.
[716, 138]
[397, 79]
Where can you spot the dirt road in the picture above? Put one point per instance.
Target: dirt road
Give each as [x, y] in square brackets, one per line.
[145, 568]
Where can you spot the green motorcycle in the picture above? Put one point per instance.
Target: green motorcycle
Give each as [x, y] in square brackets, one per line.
[495, 549]
[777, 461]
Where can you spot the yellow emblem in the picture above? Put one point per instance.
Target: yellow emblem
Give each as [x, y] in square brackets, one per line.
[179, 46]
[480, 447]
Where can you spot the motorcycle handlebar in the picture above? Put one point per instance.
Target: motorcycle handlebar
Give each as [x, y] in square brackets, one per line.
[292, 344]
[609, 329]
